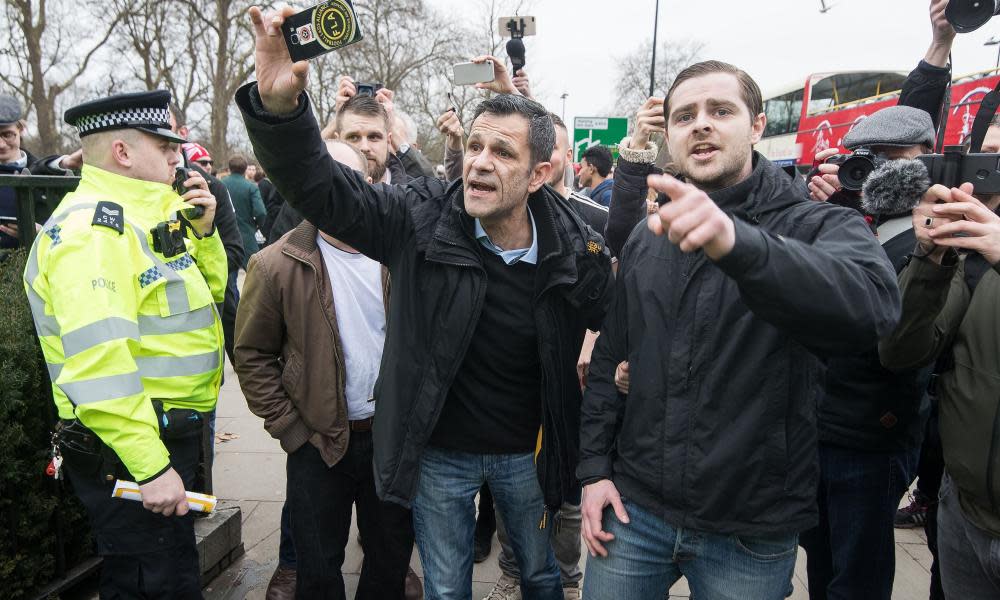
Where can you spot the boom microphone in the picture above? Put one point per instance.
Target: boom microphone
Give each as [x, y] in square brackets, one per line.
[895, 187]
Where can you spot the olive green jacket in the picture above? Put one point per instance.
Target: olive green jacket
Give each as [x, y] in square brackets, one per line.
[941, 314]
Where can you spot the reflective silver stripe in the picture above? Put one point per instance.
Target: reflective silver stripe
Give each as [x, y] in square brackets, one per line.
[98, 332]
[102, 388]
[190, 321]
[57, 219]
[44, 324]
[54, 371]
[177, 366]
[177, 298]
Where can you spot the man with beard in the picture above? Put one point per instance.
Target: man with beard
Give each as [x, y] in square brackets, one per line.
[724, 303]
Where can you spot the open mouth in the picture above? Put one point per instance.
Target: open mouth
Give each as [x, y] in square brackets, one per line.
[704, 151]
[480, 187]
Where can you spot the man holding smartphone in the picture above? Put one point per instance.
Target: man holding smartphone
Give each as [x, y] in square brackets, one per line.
[494, 284]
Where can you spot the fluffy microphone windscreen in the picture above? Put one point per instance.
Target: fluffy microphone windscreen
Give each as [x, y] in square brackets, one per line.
[895, 187]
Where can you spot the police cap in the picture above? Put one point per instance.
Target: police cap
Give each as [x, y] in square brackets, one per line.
[145, 111]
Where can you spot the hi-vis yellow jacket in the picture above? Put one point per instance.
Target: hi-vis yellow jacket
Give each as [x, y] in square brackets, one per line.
[119, 323]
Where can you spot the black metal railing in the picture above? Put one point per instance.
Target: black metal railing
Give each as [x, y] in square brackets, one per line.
[34, 192]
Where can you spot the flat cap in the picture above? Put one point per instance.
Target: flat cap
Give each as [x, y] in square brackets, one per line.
[892, 126]
[145, 111]
[10, 109]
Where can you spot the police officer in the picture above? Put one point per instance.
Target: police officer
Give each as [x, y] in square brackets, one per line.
[123, 293]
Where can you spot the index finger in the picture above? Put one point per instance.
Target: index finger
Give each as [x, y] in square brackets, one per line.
[670, 186]
[970, 209]
[825, 154]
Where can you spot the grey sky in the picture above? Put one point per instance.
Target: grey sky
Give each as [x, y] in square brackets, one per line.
[779, 42]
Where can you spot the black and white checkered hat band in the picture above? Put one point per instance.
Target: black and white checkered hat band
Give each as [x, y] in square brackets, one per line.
[132, 117]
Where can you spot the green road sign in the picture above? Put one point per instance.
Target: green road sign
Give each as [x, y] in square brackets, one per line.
[590, 131]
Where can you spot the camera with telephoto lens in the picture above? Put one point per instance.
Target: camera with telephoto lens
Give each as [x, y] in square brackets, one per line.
[970, 15]
[856, 167]
[367, 89]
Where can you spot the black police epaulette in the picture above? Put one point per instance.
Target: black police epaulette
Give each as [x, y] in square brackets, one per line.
[111, 215]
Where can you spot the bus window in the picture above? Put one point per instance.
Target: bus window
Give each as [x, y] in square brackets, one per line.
[783, 113]
[851, 87]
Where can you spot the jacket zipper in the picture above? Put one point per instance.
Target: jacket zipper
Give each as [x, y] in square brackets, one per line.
[476, 311]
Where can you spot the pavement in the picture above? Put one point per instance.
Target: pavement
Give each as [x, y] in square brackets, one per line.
[250, 471]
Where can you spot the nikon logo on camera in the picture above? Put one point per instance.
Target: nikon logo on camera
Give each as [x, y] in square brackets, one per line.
[334, 23]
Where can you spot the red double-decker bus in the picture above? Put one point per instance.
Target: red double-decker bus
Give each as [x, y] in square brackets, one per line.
[805, 119]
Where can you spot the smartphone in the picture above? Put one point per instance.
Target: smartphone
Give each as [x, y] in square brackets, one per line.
[328, 26]
[516, 26]
[182, 174]
[471, 73]
[367, 89]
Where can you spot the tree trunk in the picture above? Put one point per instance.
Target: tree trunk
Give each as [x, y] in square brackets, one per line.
[41, 99]
[220, 85]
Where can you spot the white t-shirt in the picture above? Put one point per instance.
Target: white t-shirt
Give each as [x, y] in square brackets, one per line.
[357, 299]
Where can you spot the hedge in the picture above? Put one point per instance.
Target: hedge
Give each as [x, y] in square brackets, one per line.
[31, 504]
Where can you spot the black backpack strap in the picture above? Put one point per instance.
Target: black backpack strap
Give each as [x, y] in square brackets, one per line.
[984, 116]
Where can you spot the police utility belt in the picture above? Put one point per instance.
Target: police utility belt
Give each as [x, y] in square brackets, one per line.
[90, 455]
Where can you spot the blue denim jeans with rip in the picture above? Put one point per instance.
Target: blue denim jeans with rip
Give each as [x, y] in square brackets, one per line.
[648, 555]
[444, 521]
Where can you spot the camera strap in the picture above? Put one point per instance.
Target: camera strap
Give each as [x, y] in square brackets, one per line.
[945, 108]
[984, 116]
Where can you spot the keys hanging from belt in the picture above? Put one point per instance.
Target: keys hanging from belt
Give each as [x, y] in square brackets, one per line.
[54, 468]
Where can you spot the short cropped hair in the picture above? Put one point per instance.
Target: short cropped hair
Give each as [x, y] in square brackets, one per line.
[600, 158]
[749, 89]
[238, 164]
[365, 106]
[541, 132]
[558, 122]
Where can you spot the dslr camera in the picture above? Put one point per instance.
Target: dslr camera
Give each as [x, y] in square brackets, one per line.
[856, 167]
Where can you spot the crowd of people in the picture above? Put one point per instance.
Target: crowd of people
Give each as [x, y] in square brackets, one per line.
[683, 359]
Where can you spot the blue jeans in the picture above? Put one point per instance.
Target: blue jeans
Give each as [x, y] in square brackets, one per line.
[970, 556]
[444, 521]
[851, 552]
[648, 556]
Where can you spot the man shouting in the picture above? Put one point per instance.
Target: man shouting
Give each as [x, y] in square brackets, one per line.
[494, 284]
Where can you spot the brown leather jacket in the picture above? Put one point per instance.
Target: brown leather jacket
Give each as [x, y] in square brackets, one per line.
[289, 358]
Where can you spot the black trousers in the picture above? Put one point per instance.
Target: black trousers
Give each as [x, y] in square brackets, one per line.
[319, 499]
[929, 474]
[146, 556]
